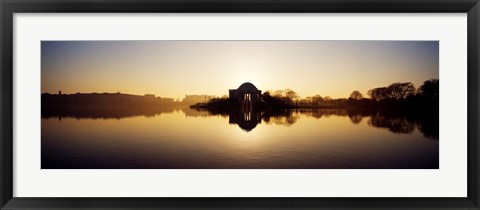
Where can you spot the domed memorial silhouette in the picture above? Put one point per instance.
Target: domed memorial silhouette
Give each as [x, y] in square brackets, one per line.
[247, 94]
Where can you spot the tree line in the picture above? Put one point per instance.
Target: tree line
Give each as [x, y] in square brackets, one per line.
[396, 94]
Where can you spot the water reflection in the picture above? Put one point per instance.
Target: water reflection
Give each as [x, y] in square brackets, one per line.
[180, 137]
[248, 119]
[105, 112]
[395, 125]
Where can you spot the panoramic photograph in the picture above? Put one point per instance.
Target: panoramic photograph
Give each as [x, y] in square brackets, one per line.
[165, 104]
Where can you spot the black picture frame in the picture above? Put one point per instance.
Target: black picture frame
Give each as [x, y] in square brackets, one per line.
[9, 7]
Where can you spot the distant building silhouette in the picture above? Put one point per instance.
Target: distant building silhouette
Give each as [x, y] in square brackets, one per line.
[247, 94]
[193, 99]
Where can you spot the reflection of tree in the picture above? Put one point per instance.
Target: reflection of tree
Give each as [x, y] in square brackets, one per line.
[395, 125]
[319, 113]
[396, 121]
[314, 114]
[429, 130]
[428, 124]
[281, 120]
[356, 119]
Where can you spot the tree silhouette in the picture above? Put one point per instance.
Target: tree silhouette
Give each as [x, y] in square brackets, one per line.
[291, 94]
[356, 95]
[429, 89]
[378, 94]
[316, 99]
[400, 90]
[394, 91]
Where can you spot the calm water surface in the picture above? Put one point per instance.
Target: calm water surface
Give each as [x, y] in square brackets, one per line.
[186, 138]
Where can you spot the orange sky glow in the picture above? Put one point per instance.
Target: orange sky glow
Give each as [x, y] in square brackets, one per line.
[176, 68]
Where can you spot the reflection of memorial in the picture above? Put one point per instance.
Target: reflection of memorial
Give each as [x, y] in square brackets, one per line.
[247, 119]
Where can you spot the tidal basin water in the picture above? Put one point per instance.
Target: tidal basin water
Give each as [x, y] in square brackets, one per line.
[183, 138]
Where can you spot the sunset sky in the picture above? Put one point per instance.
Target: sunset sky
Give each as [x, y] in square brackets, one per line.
[176, 68]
